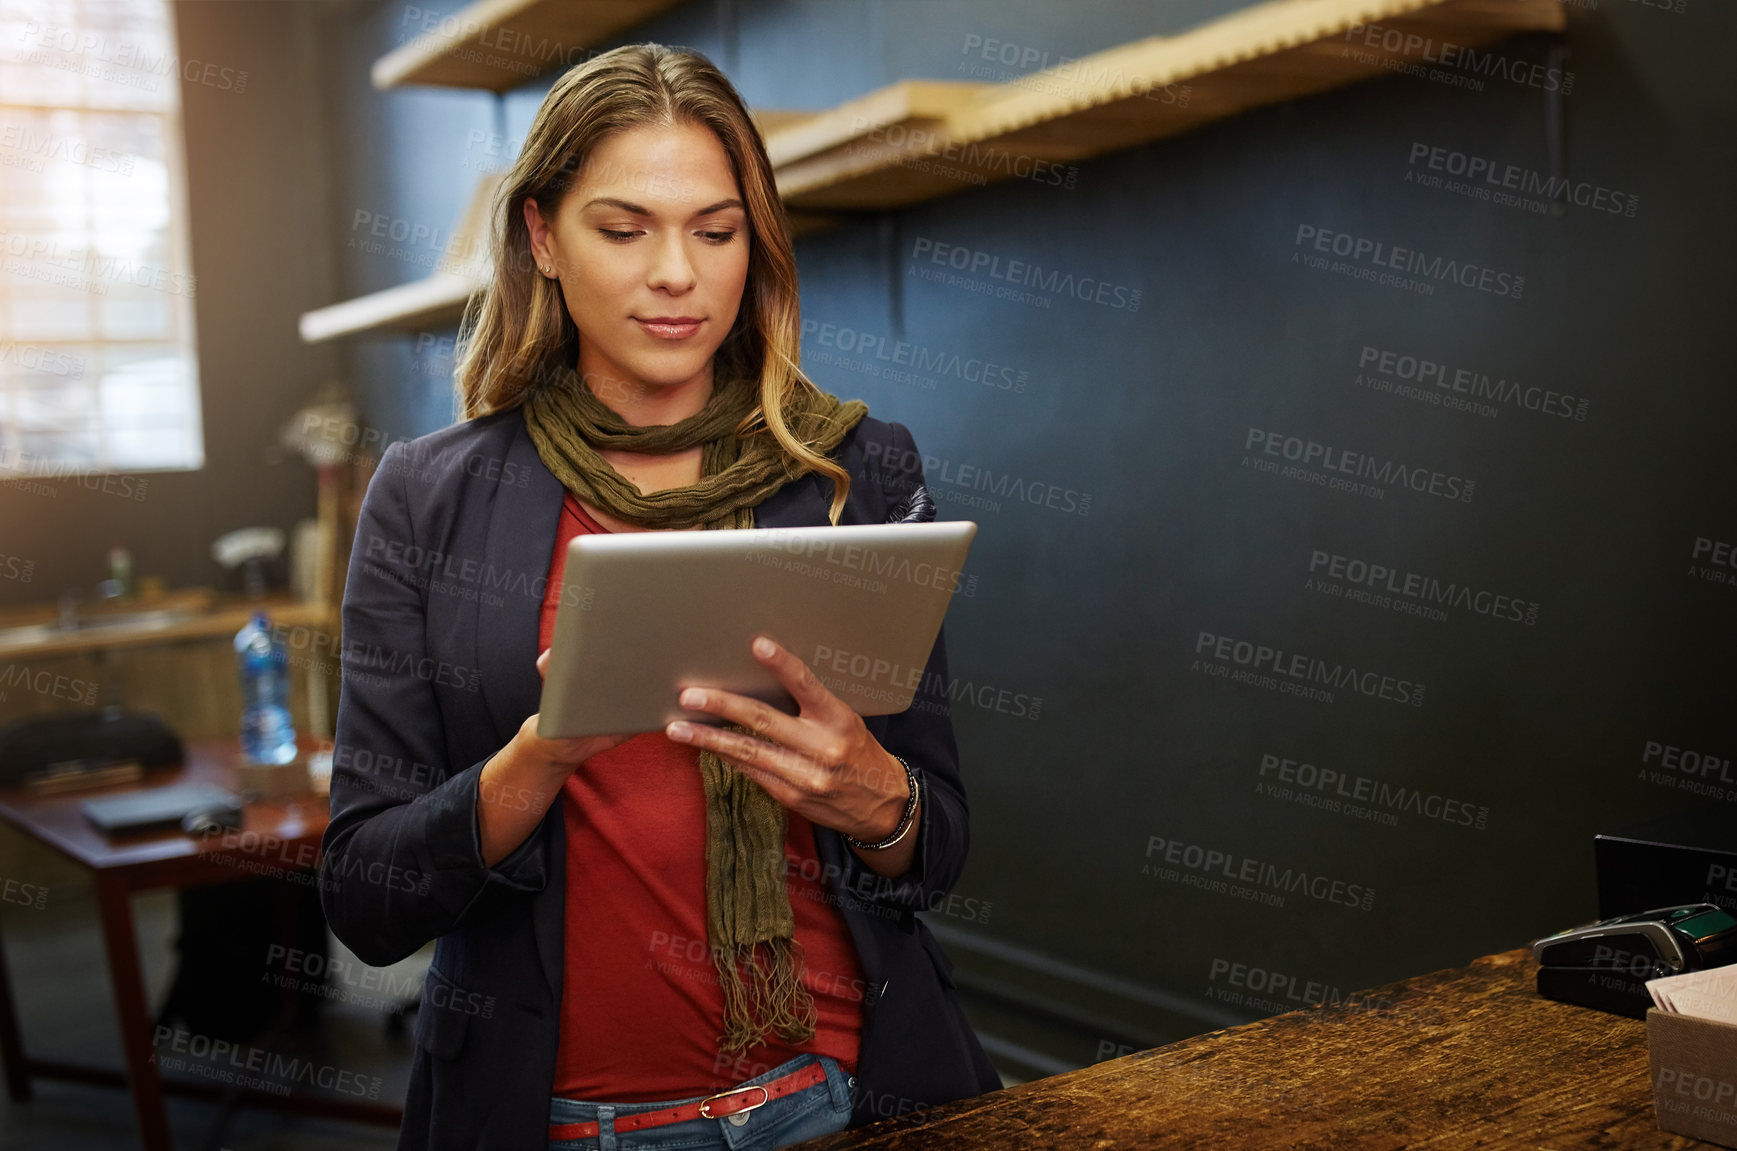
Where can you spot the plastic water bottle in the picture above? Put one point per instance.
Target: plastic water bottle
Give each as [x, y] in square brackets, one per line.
[267, 736]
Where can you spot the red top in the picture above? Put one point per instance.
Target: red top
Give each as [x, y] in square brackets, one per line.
[641, 1006]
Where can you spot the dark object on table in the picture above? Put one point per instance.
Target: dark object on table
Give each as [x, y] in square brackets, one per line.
[1635, 874]
[156, 807]
[1606, 965]
[212, 820]
[81, 775]
[94, 738]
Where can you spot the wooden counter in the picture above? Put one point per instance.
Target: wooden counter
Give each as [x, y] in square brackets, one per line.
[218, 620]
[1469, 1057]
[179, 664]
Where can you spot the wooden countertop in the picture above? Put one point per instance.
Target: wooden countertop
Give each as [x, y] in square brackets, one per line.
[1469, 1057]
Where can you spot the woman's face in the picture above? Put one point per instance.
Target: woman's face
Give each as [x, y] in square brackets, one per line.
[650, 246]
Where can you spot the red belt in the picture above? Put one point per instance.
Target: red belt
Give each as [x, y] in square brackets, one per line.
[733, 1102]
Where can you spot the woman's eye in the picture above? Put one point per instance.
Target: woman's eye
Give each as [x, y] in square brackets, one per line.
[617, 235]
[719, 237]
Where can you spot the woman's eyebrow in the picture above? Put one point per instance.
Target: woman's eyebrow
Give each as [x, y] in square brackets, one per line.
[637, 210]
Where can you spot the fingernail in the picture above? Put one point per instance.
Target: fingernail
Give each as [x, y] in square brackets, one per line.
[693, 697]
[763, 647]
[680, 732]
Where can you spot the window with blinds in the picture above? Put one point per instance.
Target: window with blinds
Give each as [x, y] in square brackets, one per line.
[97, 364]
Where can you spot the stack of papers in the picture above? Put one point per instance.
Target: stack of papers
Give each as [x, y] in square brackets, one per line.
[1710, 994]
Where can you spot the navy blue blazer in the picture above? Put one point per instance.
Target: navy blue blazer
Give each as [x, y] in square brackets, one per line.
[441, 614]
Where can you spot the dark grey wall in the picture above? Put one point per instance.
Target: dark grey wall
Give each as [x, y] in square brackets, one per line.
[1108, 612]
[258, 193]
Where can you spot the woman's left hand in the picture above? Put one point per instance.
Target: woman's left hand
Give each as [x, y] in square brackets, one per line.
[821, 763]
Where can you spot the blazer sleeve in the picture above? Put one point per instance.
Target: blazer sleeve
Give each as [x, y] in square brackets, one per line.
[401, 861]
[922, 734]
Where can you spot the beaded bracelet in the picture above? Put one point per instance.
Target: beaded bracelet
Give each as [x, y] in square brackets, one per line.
[904, 821]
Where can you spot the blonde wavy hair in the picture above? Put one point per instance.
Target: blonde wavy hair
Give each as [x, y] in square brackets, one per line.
[517, 334]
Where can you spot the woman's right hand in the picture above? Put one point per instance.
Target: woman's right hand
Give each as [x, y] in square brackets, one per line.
[524, 778]
[562, 756]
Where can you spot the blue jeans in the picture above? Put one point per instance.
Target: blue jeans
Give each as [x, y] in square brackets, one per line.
[806, 1114]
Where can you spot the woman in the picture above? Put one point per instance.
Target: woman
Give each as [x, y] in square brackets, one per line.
[702, 936]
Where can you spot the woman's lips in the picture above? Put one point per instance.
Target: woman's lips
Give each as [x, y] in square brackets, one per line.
[677, 329]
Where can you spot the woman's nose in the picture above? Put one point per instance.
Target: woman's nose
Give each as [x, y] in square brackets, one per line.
[670, 267]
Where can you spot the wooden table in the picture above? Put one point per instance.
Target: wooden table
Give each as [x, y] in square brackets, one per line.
[1470, 1057]
[275, 839]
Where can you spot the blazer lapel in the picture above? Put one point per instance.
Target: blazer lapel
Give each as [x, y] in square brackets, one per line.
[520, 544]
[801, 503]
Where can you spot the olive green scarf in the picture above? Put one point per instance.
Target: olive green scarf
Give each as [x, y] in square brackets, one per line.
[748, 916]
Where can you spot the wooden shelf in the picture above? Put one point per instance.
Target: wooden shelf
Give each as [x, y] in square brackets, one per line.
[497, 45]
[873, 133]
[435, 302]
[919, 140]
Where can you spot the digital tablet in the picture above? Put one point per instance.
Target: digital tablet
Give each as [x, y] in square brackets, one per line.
[643, 615]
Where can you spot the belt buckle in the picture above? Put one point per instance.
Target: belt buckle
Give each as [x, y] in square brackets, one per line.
[705, 1104]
